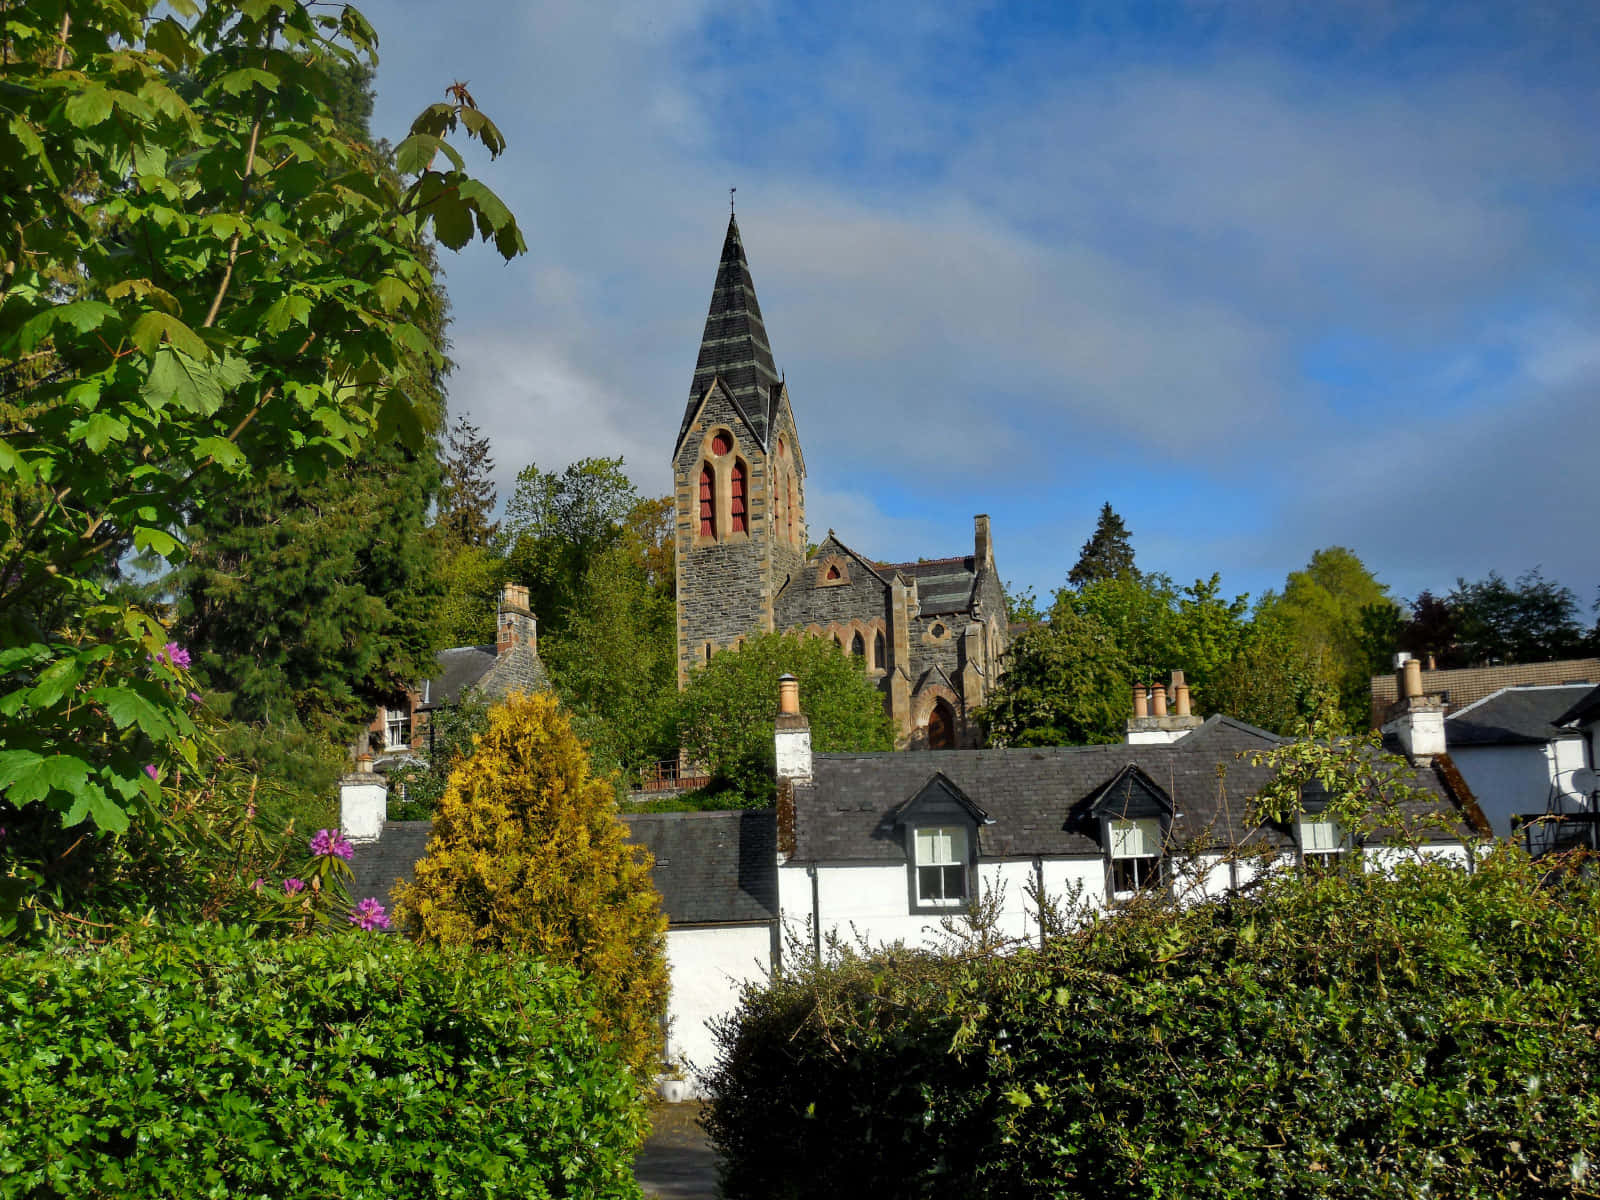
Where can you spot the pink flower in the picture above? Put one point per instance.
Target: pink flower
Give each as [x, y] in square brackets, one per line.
[292, 886]
[194, 697]
[176, 653]
[150, 770]
[258, 884]
[369, 914]
[331, 842]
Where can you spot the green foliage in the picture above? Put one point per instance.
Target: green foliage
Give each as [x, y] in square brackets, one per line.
[727, 714]
[470, 579]
[1334, 607]
[1423, 1031]
[1066, 683]
[220, 284]
[527, 856]
[1107, 554]
[208, 1063]
[1533, 620]
[1270, 682]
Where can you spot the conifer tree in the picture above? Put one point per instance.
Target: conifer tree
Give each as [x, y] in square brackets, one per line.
[1107, 554]
[468, 496]
[528, 856]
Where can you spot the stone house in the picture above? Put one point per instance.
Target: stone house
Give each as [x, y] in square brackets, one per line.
[930, 634]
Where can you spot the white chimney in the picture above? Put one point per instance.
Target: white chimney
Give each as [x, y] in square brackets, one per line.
[363, 802]
[1416, 720]
[792, 733]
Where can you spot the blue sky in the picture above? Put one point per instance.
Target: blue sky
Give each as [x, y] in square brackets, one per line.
[1266, 276]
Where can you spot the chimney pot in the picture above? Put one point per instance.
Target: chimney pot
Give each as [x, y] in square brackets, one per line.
[1158, 696]
[1413, 679]
[1141, 702]
[1183, 695]
[788, 695]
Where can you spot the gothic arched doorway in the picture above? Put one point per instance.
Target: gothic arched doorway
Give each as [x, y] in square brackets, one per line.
[941, 727]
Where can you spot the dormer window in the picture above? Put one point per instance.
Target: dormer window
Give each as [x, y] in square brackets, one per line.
[1135, 847]
[1322, 842]
[940, 863]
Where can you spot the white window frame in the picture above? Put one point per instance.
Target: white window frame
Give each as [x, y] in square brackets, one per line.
[393, 719]
[1322, 841]
[1136, 842]
[941, 848]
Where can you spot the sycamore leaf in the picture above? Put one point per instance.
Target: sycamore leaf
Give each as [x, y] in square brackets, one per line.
[176, 378]
[245, 78]
[149, 331]
[452, 221]
[392, 293]
[12, 463]
[157, 540]
[89, 107]
[397, 417]
[221, 451]
[286, 309]
[412, 156]
[89, 800]
[16, 765]
[55, 681]
[127, 707]
[98, 430]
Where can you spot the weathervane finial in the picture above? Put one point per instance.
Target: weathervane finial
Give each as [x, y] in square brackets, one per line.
[731, 191]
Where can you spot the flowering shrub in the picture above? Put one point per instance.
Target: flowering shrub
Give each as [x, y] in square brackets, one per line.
[369, 914]
[362, 1067]
[330, 842]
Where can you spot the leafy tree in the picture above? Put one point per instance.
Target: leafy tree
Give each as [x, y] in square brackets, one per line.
[1107, 554]
[1270, 682]
[1329, 606]
[527, 856]
[726, 715]
[245, 294]
[1534, 620]
[1430, 629]
[1065, 683]
[468, 496]
[417, 786]
[555, 525]
[470, 579]
[615, 665]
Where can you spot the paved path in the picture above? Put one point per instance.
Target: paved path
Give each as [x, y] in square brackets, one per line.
[676, 1161]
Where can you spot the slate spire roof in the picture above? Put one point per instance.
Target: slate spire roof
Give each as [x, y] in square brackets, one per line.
[734, 347]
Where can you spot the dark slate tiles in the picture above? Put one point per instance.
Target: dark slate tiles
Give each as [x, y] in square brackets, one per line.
[1517, 716]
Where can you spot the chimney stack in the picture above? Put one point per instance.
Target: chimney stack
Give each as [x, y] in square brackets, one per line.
[517, 626]
[363, 802]
[982, 546]
[792, 733]
[1152, 724]
[1416, 719]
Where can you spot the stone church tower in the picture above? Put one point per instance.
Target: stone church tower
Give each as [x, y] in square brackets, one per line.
[738, 476]
[930, 634]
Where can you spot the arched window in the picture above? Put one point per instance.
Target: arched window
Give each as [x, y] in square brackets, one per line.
[721, 444]
[837, 642]
[738, 521]
[877, 652]
[833, 571]
[708, 651]
[708, 502]
[941, 727]
[858, 646]
[789, 510]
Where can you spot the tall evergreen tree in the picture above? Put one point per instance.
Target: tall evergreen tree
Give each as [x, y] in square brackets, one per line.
[1107, 554]
[467, 496]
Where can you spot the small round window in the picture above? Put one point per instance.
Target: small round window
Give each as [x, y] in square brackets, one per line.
[721, 444]
[937, 630]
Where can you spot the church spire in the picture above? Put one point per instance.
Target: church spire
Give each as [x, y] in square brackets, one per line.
[734, 346]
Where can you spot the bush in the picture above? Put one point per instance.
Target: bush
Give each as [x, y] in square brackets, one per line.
[210, 1064]
[1427, 1032]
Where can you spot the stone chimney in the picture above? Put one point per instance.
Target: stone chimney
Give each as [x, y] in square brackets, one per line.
[517, 624]
[363, 802]
[982, 546]
[1151, 724]
[1416, 720]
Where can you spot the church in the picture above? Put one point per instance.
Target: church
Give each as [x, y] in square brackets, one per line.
[930, 634]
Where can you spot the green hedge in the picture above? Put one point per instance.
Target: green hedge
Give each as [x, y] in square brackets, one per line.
[208, 1064]
[1430, 1033]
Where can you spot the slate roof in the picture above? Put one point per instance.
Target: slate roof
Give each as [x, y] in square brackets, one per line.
[1586, 709]
[712, 867]
[378, 866]
[1040, 800]
[734, 346]
[1515, 716]
[459, 669]
[944, 585]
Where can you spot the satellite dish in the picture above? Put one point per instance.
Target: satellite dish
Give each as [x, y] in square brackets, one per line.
[1586, 781]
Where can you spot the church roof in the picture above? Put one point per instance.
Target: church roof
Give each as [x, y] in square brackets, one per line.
[734, 346]
[944, 585]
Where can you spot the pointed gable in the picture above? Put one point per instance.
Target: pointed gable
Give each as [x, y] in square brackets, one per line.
[1130, 795]
[939, 799]
[734, 346]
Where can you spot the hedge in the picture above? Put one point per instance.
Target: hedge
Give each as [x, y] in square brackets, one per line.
[206, 1064]
[1432, 1032]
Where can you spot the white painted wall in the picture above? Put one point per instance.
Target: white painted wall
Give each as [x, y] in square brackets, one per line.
[363, 803]
[1507, 780]
[709, 966]
[1069, 881]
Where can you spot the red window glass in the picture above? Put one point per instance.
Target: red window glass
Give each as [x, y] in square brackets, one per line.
[721, 444]
[736, 499]
[708, 504]
[833, 572]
